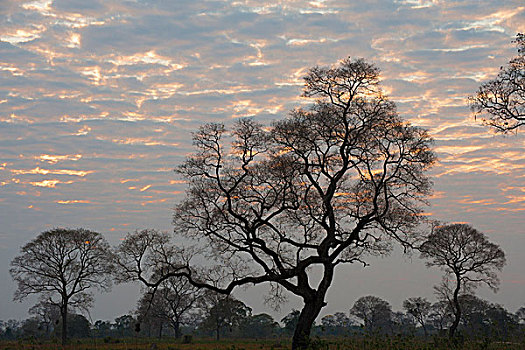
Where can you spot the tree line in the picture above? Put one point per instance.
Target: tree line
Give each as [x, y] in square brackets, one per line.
[226, 317]
[332, 183]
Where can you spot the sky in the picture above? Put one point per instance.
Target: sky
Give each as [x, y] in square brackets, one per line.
[98, 100]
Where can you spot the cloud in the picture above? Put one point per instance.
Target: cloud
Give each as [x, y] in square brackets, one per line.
[98, 96]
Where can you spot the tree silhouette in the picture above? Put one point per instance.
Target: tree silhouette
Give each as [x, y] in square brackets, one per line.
[467, 257]
[323, 187]
[420, 309]
[501, 102]
[63, 266]
[375, 312]
[172, 303]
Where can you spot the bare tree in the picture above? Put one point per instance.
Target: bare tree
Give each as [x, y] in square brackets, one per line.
[441, 315]
[501, 102]
[63, 266]
[467, 258]
[375, 312]
[420, 309]
[172, 302]
[323, 187]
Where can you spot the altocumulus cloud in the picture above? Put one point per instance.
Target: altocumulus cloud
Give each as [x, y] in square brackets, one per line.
[98, 100]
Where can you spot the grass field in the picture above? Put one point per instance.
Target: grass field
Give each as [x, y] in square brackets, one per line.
[393, 343]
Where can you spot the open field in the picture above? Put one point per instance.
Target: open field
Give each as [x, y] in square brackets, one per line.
[393, 343]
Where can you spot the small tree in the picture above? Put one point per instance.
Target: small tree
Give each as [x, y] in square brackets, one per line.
[503, 99]
[375, 312]
[224, 313]
[467, 257]
[441, 315]
[172, 302]
[420, 309]
[63, 266]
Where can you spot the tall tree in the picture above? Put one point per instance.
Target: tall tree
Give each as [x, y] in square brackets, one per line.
[467, 257]
[420, 309]
[501, 102]
[320, 188]
[63, 266]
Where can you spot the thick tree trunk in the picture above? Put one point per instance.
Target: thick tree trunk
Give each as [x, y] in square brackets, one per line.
[310, 311]
[457, 311]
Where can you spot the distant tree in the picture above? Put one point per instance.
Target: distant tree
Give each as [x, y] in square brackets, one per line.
[78, 326]
[259, 326]
[336, 324]
[484, 319]
[402, 323]
[152, 313]
[10, 329]
[501, 102]
[32, 328]
[375, 312]
[124, 326]
[290, 321]
[420, 309]
[323, 187]
[175, 300]
[467, 257]
[441, 315]
[521, 314]
[63, 266]
[102, 328]
[48, 315]
[224, 313]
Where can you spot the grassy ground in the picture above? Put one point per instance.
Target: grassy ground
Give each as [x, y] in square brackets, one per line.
[273, 344]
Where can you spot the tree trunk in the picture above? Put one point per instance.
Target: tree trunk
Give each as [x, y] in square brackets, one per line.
[176, 328]
[160, 330]
[310, 311]
[457, 311]
[63, 314]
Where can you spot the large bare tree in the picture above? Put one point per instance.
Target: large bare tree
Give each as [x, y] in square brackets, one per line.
[501, 102]
[468, 259]
[278, 204]
[63, 266]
